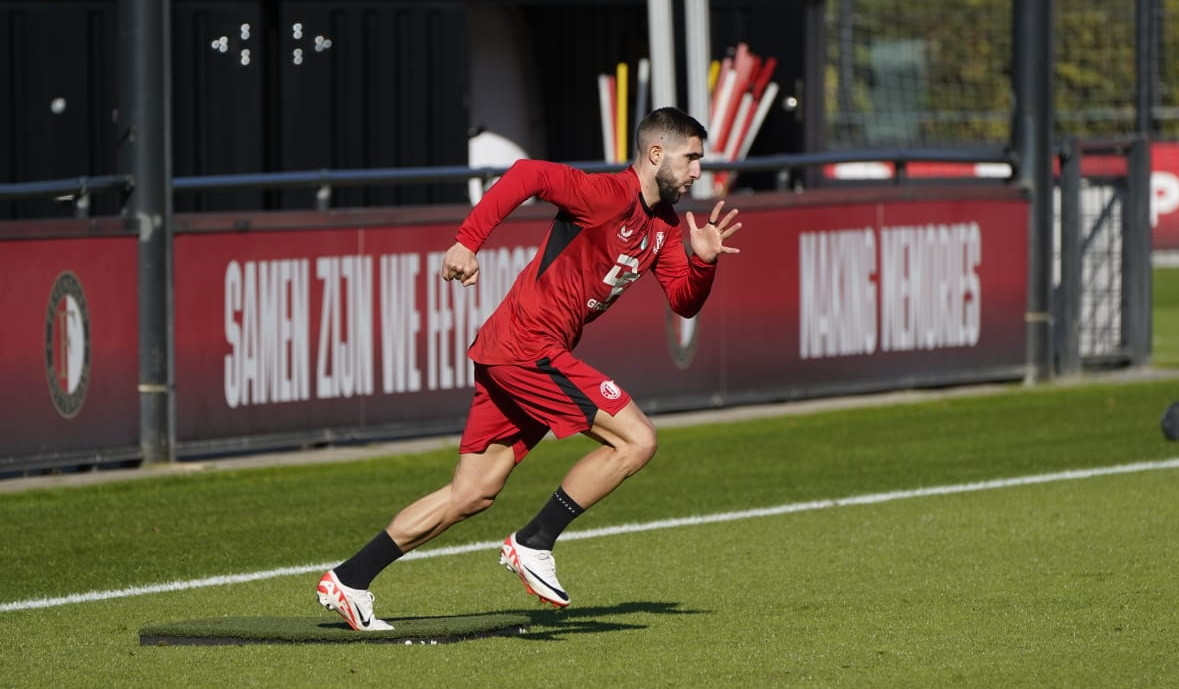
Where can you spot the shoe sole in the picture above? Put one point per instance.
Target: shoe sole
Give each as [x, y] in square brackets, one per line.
[507, 563]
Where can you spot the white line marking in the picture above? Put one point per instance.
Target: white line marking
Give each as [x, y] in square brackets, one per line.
[870, 499]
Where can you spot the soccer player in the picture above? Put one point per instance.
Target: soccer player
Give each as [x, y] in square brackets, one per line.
[610, 229]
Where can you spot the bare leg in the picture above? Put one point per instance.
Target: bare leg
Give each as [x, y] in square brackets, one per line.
[478, 479]
[628, 443]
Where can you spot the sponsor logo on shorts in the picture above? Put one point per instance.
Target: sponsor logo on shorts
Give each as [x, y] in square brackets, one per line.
[610, 390]
[67, 345]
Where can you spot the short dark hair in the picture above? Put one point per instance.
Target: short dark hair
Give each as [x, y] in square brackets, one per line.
[668, 122]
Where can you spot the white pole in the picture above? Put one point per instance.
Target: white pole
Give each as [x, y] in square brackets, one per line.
[642, 89]
[607, 113]
[698, 46]
[660, 33]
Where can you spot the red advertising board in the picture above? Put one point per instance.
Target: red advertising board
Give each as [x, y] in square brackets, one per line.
[301, 329]
[68, 347]
[1164, 190]
[279, 332]
[849, 296]
[350, 329]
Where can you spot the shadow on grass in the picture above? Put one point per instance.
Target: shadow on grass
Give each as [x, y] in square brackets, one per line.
[548, 624]
[554, 625]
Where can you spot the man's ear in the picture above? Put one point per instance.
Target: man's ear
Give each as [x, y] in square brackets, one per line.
[655, 154]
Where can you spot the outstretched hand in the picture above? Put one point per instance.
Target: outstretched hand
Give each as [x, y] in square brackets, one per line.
[460, 264]
[708, 241]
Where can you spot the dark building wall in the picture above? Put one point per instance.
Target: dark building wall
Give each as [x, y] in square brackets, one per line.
[574, 41]
[385, 85]
[57, 80]
[325, 85]
[387, 91]
[220, 63]
[771, 28]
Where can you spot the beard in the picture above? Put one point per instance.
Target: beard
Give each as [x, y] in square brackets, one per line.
[669, 187]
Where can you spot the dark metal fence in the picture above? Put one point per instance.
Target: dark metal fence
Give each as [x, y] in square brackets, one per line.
[79, 191]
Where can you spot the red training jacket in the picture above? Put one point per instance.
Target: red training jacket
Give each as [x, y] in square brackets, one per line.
[603, 239]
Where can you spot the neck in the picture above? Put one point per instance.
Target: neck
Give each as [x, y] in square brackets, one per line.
[648, 187]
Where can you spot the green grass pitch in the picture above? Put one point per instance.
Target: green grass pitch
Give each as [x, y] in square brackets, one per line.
[1065, 583]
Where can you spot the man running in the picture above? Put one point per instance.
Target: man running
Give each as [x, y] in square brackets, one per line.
[610, 229]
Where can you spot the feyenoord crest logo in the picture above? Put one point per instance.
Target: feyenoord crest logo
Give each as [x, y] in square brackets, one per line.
[67, 345]
[681, 339]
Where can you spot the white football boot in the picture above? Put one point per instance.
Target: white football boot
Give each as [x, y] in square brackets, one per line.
[354, 605]
[536, 570]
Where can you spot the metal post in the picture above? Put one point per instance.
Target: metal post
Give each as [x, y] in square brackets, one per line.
[845, 64]
[1136, 246]
[1032, 134]
[1145, 47]
[1136, 265]
[143, 127]
[813, 89]
[661, 36]
[1071, 275]
[698, 48]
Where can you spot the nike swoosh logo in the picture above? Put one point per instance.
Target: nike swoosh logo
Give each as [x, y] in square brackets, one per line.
[556, 590]
[364, 622]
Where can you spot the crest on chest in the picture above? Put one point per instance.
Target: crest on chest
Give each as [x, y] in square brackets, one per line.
[631, 236]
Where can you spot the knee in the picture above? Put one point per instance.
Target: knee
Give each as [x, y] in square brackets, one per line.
[647, 444]
[640, 448]
[468, 502]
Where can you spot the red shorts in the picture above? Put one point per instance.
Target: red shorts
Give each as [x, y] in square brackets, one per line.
[518, 405]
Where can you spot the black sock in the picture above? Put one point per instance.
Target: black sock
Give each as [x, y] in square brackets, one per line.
[359, 570]
[541, 533]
